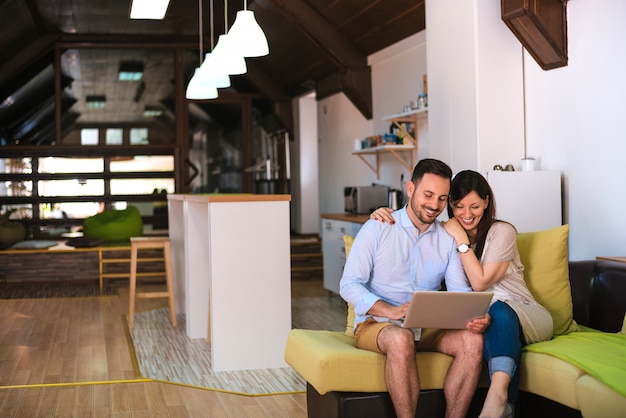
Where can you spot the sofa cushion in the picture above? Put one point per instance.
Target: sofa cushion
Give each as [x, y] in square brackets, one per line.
[545, 259]
[329, 361]
[550, 377]
[597, 400]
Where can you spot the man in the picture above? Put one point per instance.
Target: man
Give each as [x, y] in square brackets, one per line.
[387, 263]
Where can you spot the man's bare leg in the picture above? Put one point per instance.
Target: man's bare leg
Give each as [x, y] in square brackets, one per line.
[462, 378]
[400, 369]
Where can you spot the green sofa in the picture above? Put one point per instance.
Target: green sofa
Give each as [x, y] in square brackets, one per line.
[343, 381]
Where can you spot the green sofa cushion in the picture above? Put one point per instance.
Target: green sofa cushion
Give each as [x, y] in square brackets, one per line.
[599, 354]
[546, 271]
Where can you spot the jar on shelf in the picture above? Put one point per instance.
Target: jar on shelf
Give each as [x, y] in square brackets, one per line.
[422, 101]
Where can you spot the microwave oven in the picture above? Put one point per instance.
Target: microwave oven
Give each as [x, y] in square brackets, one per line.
[365, 199]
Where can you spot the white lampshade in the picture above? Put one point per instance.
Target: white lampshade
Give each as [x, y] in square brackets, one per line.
[209, 74]
[247, 37]
[225, 59]
[197, 91]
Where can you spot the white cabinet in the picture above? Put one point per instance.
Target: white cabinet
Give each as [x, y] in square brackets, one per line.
[334, 251]
[530, 200]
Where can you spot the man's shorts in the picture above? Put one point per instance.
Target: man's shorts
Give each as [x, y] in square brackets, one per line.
[366, 336]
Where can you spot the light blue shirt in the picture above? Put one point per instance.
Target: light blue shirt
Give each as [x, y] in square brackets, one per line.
[391, 261]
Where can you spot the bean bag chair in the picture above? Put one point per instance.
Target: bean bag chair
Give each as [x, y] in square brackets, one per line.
[114, 224]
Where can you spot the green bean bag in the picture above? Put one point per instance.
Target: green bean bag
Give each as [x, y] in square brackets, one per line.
[114, 225]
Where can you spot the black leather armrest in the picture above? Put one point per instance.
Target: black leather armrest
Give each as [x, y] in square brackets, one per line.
[581, 277]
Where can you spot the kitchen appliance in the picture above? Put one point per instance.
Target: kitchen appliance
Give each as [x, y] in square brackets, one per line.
[395, 199]
[365, 199]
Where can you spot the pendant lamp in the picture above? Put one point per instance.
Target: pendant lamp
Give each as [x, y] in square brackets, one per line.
[246, 36]
[209, 74]
[199, 89]
[225, 59]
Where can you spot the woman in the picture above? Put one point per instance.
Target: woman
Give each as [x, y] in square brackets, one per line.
[492, 263]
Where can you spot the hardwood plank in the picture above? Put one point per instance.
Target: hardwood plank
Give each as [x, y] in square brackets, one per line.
[65, 402]
[95, 349]
[84, 403]
[119, 398]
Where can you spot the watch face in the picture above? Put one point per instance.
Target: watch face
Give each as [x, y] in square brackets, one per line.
[463, 248]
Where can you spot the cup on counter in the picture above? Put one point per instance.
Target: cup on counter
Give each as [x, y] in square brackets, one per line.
[528, 164]
[357, 144]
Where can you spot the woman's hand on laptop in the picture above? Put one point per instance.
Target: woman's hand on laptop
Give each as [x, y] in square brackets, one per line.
[479, 325]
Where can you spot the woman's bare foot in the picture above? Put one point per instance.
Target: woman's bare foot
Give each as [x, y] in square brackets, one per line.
[495, 405]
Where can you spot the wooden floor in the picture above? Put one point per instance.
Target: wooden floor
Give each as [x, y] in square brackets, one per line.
[47, 345]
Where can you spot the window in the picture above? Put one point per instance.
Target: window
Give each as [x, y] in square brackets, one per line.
[89, 136]
[114, 136]
[139, 136]
[53, 195]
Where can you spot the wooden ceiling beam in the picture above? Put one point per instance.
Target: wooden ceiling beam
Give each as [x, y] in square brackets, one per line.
[355, 84]
[27, 56]
[354, 76]
[321, 33]
[541, 27]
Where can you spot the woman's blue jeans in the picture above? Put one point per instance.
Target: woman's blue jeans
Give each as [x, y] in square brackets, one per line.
[503, 343]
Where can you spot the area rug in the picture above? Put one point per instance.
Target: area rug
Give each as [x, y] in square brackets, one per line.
[165, 353]
[52, 290]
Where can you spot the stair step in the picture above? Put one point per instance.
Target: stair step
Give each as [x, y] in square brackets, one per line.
[306, 257]
[307, 268]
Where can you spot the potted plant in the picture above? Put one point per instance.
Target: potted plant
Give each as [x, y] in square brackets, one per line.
[11, 231]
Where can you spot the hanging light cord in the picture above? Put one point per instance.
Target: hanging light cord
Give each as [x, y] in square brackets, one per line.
[200, 27]
[225, 17]
[212, 40]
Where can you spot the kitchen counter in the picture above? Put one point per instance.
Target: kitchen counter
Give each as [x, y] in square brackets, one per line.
[347, 217]
[232, 265]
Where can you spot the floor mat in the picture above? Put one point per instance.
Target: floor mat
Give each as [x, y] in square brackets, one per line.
[167, 354]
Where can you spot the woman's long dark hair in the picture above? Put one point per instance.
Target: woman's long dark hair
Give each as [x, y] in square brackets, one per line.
[468, 181]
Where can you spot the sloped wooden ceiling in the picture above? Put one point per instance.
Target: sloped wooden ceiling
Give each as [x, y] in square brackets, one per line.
[318, 45]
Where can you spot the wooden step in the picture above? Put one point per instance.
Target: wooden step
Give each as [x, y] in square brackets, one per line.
[306, 258]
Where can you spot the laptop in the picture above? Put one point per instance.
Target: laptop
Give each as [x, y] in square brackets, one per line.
[445, 310]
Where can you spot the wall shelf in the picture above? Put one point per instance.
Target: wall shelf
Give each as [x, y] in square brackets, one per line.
[400, 152]
[396, 150]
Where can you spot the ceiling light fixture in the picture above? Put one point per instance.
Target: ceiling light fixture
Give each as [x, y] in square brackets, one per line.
[130, 71]
[95, 101]
[196, 90]
[225, 58]
[148, 9]
[246, 36]
[152, 112]
[209, 74]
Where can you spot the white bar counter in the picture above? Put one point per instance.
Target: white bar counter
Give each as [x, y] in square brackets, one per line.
[234, 255]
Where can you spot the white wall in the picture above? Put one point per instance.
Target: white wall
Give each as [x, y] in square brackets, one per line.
[305, 167]
[339, 123]
[576, 123]
[475, 85]
[575, 116]
[396, 80]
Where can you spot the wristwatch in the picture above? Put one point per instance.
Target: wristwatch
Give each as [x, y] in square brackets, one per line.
[463, 248]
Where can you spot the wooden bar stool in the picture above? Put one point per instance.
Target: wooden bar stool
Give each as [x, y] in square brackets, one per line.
[139, 243]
